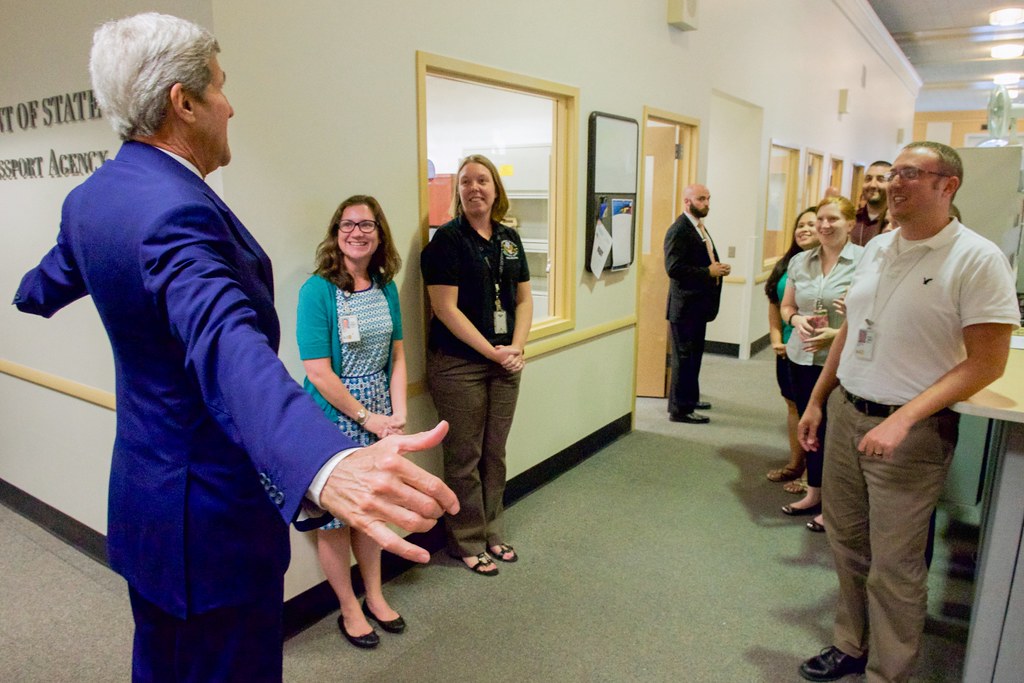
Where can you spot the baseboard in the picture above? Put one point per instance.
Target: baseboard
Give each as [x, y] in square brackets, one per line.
[733, 350]
[79, 536]
[312, 605]
[722, 348]
[759, 345]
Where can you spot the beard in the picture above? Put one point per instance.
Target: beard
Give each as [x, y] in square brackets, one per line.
[699, 213]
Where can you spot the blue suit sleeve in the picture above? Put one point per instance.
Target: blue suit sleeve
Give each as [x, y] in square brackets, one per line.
[53, 284]
[191, 266]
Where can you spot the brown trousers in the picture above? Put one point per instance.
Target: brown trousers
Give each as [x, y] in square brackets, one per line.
[877, 513]
[478, 400]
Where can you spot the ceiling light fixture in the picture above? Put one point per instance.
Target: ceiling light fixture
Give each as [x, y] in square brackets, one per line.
[1007, 51]
[1010, 16]
[1006, 79]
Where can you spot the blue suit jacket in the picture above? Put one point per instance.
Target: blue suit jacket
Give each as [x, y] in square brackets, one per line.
[216, 444]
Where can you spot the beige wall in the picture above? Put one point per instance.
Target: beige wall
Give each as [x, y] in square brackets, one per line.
[325, 95]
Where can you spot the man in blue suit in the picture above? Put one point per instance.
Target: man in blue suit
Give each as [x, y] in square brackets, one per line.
[694, 291]
[216, 445]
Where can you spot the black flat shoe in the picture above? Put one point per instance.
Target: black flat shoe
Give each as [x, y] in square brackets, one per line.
[690, 418]
[702, 405]
[815, 527]
[367, 642]
[797, 512]
[831, 665]
[393, 626]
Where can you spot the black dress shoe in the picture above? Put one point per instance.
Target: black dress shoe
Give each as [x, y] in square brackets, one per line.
[831, 665]
[689, 418]
[393, 626]
[367, 642]
[702, 405]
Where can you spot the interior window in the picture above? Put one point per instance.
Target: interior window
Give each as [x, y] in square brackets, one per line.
[522, 126]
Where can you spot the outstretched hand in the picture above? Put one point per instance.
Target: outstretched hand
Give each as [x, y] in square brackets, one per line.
[377, 485]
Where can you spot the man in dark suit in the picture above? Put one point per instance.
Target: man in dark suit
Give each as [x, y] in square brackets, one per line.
[216, 445]
[695, 288]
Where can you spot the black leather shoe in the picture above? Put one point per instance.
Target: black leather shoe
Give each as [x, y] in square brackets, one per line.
[393, 626]
[702, 405]
[831, 665]
[367, 642]
[689, 418]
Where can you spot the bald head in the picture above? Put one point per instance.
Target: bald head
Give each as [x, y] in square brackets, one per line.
[697, 200]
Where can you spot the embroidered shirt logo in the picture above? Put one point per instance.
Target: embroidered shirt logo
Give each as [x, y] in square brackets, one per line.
[509, 249]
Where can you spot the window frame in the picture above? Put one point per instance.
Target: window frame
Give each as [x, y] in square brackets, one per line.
[564, 155]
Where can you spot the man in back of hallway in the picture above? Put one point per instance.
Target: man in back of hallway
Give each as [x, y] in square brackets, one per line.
[928, 321]
[694, 291]
[876, 201]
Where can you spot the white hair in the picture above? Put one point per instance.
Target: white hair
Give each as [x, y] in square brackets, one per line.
[135, 61]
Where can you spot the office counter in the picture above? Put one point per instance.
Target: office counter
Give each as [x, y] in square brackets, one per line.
[995, 645]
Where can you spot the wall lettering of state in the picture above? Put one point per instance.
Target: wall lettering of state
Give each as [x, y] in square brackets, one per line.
[48, 112]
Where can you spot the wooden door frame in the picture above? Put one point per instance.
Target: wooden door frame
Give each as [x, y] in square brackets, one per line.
[686, 174]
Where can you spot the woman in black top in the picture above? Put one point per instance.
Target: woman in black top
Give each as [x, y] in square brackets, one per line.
[479, 287]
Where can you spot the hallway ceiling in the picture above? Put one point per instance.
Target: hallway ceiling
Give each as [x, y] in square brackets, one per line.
[949, 43]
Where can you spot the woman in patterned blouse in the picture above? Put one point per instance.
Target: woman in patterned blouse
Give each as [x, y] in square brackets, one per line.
[350, 340]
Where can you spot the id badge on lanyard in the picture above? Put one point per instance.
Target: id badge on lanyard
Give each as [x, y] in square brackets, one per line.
[500, 315]
[865, 348]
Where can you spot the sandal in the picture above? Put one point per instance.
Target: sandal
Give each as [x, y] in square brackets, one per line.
[503, 550]
[784, 474]
[796, 487]
[483, 561]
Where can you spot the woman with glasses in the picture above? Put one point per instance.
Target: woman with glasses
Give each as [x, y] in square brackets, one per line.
[805, 236]
[812, 304]
[350, 340]
[479, 287]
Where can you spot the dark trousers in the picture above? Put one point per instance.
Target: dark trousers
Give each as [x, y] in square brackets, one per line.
[802, 379]
[478, 399]
[687, 354]
[237, 643]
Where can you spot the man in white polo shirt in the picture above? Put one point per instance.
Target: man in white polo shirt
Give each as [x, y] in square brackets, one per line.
[929, 317]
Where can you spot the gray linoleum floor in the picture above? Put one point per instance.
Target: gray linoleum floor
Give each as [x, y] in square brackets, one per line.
[661, 558]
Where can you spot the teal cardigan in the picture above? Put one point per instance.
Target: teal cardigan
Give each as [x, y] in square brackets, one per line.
[317, 330]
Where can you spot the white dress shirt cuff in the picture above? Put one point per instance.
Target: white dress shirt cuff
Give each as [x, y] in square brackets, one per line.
[320, 480]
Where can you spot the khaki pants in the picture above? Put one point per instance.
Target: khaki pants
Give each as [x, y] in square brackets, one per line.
[478, 400]
[877, 514]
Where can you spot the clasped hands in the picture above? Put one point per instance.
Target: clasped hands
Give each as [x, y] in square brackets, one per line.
[376, 486]
[510, 357]
[384, 425]
[718, 269]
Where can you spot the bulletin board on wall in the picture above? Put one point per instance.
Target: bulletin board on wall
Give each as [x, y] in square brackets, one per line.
[612, 158]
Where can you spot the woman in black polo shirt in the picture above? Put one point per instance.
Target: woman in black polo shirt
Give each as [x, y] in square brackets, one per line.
[479, 287]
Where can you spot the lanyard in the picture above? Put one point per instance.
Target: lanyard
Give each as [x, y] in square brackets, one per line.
[501, 272]
[875, 310]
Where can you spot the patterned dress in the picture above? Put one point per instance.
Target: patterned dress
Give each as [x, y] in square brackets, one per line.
[364, 363]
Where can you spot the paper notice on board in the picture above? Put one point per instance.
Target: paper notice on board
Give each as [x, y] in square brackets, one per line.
[622, 239]
[602, 249]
